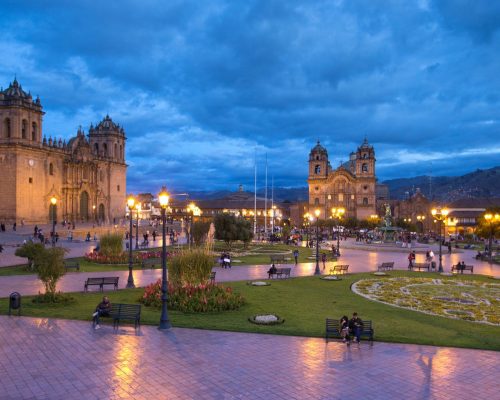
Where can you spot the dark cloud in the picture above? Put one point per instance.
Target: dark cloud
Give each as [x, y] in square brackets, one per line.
[200, 87]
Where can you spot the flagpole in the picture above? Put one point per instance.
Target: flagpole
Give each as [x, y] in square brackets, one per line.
[265, 205]
[272, 204]
[255, 194]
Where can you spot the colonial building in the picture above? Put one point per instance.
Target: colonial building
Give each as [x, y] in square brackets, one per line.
[86, 175]
[351, 185]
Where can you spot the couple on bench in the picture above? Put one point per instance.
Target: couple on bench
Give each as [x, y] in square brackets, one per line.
[348, 327]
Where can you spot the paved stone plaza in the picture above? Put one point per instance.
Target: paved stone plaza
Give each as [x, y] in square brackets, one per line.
[57, 359]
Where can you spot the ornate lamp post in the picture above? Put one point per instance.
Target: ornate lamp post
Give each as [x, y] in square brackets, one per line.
[130, 280]
[93, 213]
[163, 198]
[491, 219]
[317, 213]
[440, 215]
[337, 213]
[194, 210]
[421, 218]
[138, 208]
[53, 202]
[307, 218]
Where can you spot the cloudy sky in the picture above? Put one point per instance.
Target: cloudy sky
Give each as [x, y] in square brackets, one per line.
[202, 86]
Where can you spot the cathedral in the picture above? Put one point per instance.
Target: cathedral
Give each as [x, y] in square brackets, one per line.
[351, 186]
[86, 175]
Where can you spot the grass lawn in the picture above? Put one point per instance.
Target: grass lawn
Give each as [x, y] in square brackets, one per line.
[304, 303]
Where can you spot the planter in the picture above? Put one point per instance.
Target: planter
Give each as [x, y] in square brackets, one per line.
[259, 283]
[330, 278]
[266, 319]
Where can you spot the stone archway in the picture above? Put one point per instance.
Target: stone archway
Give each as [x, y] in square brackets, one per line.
[84, 206]
[101, 214]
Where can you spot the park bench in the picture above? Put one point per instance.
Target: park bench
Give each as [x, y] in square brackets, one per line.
[277, 258]
[128, 312]
[419, 266]
[281, 273]
[339, 269]
[108, 280]
[212, 277]
[71, 264]
[386, 266]
[333, 329]
[150, 262]
[144, 245]
[462, 268]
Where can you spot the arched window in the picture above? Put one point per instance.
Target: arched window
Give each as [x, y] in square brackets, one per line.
[24, 129]
[317, 169]
[316, 201]
[101, 176]
[121, 152]
[51, 169]
[96, 148]
[34, 131]
[317, 158]
[105, 149]
[365, 201]
[115, 154]
[6, 127]
[364, 167]
[365, 155]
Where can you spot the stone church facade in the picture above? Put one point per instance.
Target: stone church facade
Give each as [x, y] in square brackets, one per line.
[87, 175]
[351, 186]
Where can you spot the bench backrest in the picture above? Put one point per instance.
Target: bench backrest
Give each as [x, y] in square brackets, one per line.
[110, 279]
[71, 263]
[340, 267]
[94, 280]
[126, 310]
[332, 324]
[388, 264]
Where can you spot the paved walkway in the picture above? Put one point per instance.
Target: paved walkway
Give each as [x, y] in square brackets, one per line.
[57, 359]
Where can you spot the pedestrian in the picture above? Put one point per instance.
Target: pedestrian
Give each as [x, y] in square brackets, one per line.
[410, 260]
[323, 259]
[154, 235]
[14, 226]
[449, 247]
[296, 256]
[344, 329]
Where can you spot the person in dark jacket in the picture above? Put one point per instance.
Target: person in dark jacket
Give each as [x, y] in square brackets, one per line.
[344, 328]
[102, 310]
[356, 326]
[272, 271]
[296, 256]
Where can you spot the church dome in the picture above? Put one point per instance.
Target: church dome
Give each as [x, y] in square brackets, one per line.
[319, 150]
[105, 126]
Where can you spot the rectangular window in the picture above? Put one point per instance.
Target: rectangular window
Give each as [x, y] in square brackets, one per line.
[117, 188]
[341, 196]
[30, 180]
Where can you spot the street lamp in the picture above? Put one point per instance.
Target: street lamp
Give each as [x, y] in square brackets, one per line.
[138, 208]
[130, 281]
[93, 212]
[337, 213]
[491, 219]
[307, 218]
[53, 202]
[440, 215]
[317, 213]
[195, 211]
[163, 198]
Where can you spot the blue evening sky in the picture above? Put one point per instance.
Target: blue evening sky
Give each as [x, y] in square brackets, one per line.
[201, 86]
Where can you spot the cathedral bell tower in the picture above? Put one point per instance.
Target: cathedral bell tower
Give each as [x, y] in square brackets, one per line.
[365, 161]
[107, 140]
[318, 162]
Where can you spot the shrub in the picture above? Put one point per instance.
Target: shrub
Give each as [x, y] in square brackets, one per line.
[29, 250]
[111, 244]
[50, 268]
[194, 298]
[59, 298]
[200, 231]
[191, 267]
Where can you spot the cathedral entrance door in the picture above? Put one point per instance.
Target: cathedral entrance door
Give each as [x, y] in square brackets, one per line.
[84, 206]
[101, 212]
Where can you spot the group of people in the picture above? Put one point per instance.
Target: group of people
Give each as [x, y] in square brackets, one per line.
[351, 327]
[225, 260]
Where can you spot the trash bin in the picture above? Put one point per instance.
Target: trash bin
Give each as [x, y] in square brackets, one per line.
[15, 303]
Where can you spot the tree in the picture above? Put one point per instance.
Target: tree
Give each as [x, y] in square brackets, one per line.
[29, 250]
[226, 228]
[245, 233]
[50, 268]
[199, 232]
[285, 232]
[350, 222]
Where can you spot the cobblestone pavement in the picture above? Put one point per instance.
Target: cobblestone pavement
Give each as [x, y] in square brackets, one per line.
[57, 359]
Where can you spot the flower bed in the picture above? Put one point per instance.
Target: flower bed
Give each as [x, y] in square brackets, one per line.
[266, 319]
[137, 257]
[468, 300]
[194, 298]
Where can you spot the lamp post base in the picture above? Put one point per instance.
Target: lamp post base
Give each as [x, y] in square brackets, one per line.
[130, 285]
[165, 325]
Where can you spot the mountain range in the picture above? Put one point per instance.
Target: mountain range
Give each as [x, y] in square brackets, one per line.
[477, 184]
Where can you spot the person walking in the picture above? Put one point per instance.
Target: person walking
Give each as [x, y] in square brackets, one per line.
[323, 260]
[296, 256]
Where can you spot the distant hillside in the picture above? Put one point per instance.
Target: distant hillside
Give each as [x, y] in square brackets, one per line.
[480, 183]
[477, 184]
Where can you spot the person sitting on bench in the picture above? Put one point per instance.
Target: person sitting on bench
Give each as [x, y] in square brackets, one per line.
[344, 328]
[272, 270]
[356, 326]
[102, 310]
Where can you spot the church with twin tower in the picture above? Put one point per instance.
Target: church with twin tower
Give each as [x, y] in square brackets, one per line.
[351, 186]
[86, 175]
